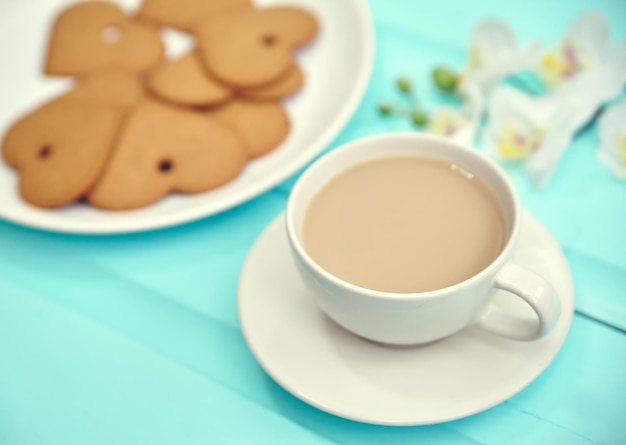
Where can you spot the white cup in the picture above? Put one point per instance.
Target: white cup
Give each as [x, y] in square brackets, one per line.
[414, 318]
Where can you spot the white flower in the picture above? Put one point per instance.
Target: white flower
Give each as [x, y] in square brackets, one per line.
[612, 129]
[446, 121]
[536, 130]
[462, 123]
[494, 54]
[584, 61]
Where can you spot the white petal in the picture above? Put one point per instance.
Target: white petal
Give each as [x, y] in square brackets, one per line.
[552, 119]
[494, 43]
[517, 59]
[612, 121]
[568, 115]
[603, 81]
[495, 38]
[445, 118]
[591, 33]
[610, 125]
[508, 103]
[527, 56]
[540, 165]
[578, 105]
[617, 59]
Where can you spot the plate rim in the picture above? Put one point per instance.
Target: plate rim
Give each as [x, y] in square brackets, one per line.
[532, 376]
[257, 188]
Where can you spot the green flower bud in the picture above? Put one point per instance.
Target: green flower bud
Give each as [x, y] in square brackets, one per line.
[419, 118]
[404, 85]
[385, 108]
[445, 79]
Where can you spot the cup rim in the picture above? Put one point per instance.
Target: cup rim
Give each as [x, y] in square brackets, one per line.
[321, 162]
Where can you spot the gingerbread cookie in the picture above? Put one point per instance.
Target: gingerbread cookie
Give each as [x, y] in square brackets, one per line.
[185, 82]
[113, 86]
[262, 125]
[60, 149]
[94, 35]
[251, 48]
[164, 148]
[285, 86]
[182, 14]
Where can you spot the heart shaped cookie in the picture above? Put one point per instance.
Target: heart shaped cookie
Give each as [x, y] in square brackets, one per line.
[261, 125]
[185, 82]
[94, 35]
[284, 86]
[60, 149]
[250, 48]
[113, 86]
[165, 148]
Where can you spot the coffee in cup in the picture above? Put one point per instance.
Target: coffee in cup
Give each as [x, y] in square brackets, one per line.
[403, 239]
[404, 224]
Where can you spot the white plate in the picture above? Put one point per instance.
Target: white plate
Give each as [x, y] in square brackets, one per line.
[326, 366]
[337, 66]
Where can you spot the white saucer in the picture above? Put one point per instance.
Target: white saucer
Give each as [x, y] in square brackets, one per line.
[338, 372]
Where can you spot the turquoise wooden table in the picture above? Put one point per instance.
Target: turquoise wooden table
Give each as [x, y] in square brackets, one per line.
[134, 339]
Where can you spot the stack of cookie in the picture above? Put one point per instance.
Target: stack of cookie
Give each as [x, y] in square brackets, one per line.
[135, 126]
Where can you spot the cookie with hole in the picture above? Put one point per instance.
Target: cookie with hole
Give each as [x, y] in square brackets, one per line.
[252, 48]
[60, 149]
[183, 14]
[186, 82]
[164, 148]
[94, 35]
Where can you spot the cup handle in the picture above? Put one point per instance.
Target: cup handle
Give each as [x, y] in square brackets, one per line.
[535, 291]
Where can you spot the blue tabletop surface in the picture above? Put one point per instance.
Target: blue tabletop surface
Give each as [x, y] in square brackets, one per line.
[133, 339]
